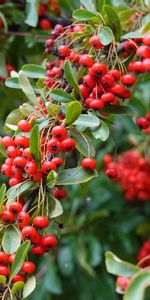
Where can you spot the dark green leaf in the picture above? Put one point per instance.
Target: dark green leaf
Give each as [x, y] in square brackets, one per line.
[75, 176]
[118, 267]
[32, 7]
[73, 111]
[35, 147]
[11, 240]
[100, 5]
[13, 118]
[34, 71]
[105, 35]
[65, 261]
[56, 208]
[138, 285]
[27, 88]
[4, 20]
[83, 142]
[17, 287]
[2, 195]
[51, 179]
[3, 70]
[121, 110]
[87, 121]
[102, 132]
[19, 189]
[83, 14]
[19, 258]
[61, 96]
[70, 76]
[29, 286]
[113, 21]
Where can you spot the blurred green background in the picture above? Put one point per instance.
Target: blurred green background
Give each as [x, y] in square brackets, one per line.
[96, 216]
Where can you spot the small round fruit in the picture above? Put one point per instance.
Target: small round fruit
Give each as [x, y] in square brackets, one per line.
[59, 133]
[49, 242]
[15, 207]
[28, 267]
[7, 217]
[59, 193]
[18, 277]
[4, 258]
[37, 250]
[41, 221]
[4, 270]
[142, 122]
[68, 145]
[29, 233]
[88, 163]
[24, 125]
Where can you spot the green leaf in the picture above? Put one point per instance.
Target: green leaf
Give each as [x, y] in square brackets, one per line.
[87, 121]
[100, 5]
[32, 7]
[102, 132]
[34, 71]
[61, 96]
[88, 4]
[105, 35]
[56, 208]
[52, 108]
[84, 14]
[113, 21]
[17, 287]
[26, 109]
[3, 70]
[29, 286]
[138, 285]
[70, 76]
[19, 258]
[120, 109]
[11, 240]
[116, 266]
[13, 83]
[73, 111]
[19, 189]
[126, 14]
[27, 88]
[35, 147]
[82, 259]
[83, 143]
[75, 176]
[2, 148]
[132, 34]
[2, 195]
[13, 118]
[51, 179]
[2, 279]
[66, 261]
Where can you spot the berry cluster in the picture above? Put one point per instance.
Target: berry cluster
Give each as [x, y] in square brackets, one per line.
[144, 122]
[132, 171]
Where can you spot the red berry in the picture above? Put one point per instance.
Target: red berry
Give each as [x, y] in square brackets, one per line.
[143, 51]
[8, 161]
[17, 173]
[146, 39]
[6, 170]
[59, 133]
[27, 154]
[128, 79]
[11, 258]
[22, 141]
[88, 163]
[142, 122]
[68, 145]
[136, 66]
[89, 81]
[96, 104]
[4, 270]
[97, 91]
[63, 51]
[23, 219]
[111, 172]
[57, 161]
[98, 69]
[107, 159]
[37, 250]
[24, 125]
[49, 242]
[19, 162]
[115, 73]
[84, 90]
[107, 81]
[18, 277]
[85, 61]
[37, 176]
[148, 116]
[108, 97]
[8, 141]
[28, 267]
[12, 152]
[37, 239]
[53, 146]
[130, 46]
[59, 193]
[50, 44]
[15, 207]
[47, 166]
[118, 90]
[41, 221]
[7, 217]
[31, 167]
[42, 9]
[29, 233]
[4, 258]
[45, 24]
[146, 64]
[95, 43]
[123, 282]
[14, 180]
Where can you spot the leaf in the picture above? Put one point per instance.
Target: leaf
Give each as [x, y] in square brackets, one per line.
[11, 240]
[61, 96]
[19, 258]
[27, 88]
[34, 71]
[116, 266]
[53, 109]
[126, 14]
[87, 121]
[105, 35]
[55, 208]
[2, 148]
[75, 176]
[138, 285]
[88, 4]
[26, 109]
[51, 179]
[2, 196]
[100, 5]
[82, 259]
[18, 190]
[132, 34]
[73, 111]
[120, 109]
[17, 287]
[35, 147]
[70, 76]
[84, 14]
[32, 7]
[113, 21]
[83, 143]
[66, 261]
[3, 70]
[102, 132]
[13, 83]
[13, 118]
[2, 279]
[29, 286]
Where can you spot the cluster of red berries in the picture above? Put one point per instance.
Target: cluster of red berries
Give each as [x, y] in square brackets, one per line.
[9, 68]
[144, 253]
[144, 122]
[44, 10]
[132, 171]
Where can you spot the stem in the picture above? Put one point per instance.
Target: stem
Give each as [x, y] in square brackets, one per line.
[28, 204]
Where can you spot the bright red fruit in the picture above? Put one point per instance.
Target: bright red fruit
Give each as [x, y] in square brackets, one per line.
[57, 161]
[95, 43]
[142, 122]
[31, 167]
[15, 207]
[23, 219]
[7, 217]
[18, 277]
[63, 51]
[8, 141]
[4, 270]
[47, 166]
[4, 258]
[59, 193]
[24, 125]
[29, 233]
[123, 282]
[45, 24]
[49, 242]
[28, 267]
[53, 146]
[59, 133]
[22, 141]
[41, 221]
[68, 145]
[88, 163]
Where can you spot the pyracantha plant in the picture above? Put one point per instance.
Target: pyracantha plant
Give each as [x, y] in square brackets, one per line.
[90, 69]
